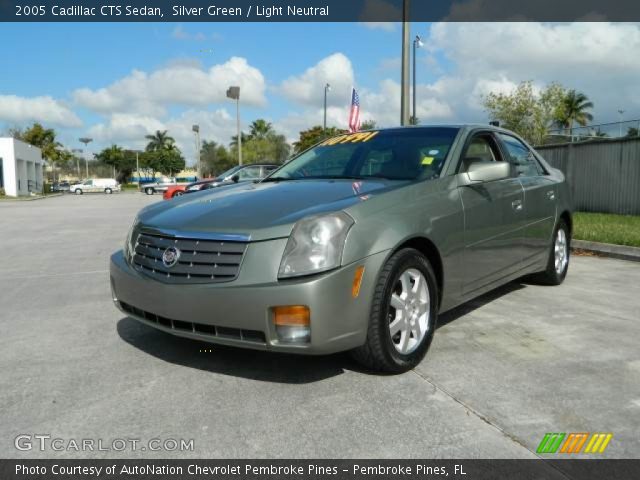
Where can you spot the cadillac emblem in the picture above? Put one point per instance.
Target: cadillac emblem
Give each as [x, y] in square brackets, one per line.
[170, 257]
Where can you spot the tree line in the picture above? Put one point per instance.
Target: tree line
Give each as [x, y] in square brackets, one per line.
[535, 114]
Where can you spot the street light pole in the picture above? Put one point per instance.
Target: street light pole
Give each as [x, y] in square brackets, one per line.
[621, 112]
[86, 141]
[196, 130]
[327, 88]
[77, 151]
[417, 43]
[234, 94]
[404, 95]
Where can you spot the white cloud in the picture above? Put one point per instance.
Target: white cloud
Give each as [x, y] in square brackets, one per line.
[180, 33]
[37, 109]
[596, 58]
[384, 26]
[129, 130]
[179, 83]
[308, 88]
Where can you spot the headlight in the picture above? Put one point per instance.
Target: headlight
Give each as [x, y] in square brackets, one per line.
[315, 245]
[130, 241]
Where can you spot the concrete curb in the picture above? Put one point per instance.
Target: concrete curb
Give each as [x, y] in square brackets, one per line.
[621, 252]
[31, 199]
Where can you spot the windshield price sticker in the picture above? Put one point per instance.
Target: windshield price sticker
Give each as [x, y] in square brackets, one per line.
[350, 138]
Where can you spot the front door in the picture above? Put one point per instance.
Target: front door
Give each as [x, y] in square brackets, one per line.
[493, 216]
[539, 198]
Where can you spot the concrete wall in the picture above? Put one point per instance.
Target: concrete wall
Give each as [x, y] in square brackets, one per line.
[22, 166]
[604, 175]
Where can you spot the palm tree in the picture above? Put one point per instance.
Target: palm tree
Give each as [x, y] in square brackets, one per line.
[260, 129]
[160, 141]
[574, 110]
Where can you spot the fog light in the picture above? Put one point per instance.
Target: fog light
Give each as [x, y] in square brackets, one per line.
[292, 323]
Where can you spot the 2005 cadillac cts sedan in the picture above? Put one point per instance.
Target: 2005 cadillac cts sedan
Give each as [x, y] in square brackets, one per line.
[355, 244]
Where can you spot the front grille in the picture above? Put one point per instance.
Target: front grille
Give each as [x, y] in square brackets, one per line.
[200, 261]
[254, 336]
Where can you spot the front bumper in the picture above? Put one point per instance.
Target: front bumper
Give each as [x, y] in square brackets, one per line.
[238, 313]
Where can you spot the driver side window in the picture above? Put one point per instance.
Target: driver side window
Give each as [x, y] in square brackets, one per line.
[481, 149]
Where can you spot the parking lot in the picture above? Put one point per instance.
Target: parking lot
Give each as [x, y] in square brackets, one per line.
[502, 371]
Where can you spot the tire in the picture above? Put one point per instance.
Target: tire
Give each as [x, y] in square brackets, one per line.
[77, 191]
[149, 191]
[108, 191]
[557, 265]
[401, 351]
[177, 194]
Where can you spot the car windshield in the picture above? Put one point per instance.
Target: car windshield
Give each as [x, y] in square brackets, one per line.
[407, 154]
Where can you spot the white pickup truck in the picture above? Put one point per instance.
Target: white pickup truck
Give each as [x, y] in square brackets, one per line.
[160, 185]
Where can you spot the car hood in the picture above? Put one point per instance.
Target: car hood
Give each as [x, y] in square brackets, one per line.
[261, 211]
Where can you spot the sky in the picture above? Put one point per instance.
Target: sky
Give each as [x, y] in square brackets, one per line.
[117, 82]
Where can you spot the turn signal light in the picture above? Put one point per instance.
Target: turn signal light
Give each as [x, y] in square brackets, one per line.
[296, 315]
[357, 281]
[293, 323]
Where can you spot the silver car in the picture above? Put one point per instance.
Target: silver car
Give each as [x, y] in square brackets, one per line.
[356, 244]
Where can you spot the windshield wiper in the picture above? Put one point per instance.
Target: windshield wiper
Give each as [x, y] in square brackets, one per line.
[277, 179]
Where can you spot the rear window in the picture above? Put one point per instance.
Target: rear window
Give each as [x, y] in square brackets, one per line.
[416, 153]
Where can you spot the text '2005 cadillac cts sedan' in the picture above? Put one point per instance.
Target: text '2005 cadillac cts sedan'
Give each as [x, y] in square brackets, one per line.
[356, 244]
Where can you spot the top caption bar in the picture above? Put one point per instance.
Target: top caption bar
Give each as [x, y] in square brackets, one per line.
[319, 11]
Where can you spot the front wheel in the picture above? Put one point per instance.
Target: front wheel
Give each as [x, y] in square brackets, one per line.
[77, 191]
[178, 194]
[108, 191]
[149, 191]
[403, 314]
[558, 263]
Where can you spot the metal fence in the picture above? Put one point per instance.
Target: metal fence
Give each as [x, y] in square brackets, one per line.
[622, 129]
[604, 175]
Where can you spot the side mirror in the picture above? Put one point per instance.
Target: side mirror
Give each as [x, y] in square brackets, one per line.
[480, 172]
[235, 178]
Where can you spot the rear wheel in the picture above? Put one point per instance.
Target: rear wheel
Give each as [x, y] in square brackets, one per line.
[77, 191]
[149, 191]
[558, 263]
[403, 315]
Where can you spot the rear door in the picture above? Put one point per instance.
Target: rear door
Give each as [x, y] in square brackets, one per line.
[493, 215]
[539, 197]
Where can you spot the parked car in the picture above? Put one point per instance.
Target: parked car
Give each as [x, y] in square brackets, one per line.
[241, 173]
[178, 190]
[60, 186]
[356, 244]
[158, 186]
[95, 185]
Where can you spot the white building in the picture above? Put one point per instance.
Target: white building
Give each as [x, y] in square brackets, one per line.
[21, 167]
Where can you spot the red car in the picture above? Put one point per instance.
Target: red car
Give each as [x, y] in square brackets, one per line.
[177, 190]
[240, 173]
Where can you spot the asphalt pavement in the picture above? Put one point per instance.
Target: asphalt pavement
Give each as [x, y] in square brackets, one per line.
[502, 371]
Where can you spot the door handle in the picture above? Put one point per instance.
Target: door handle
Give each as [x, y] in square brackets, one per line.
[551, 195]
[517, 205]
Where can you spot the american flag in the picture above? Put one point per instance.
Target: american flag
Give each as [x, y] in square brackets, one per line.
[354, 113]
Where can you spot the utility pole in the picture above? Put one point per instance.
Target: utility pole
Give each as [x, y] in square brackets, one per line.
[404, 96]
[417, 43]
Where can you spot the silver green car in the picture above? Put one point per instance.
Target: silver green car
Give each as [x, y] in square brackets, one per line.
[356, 244]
